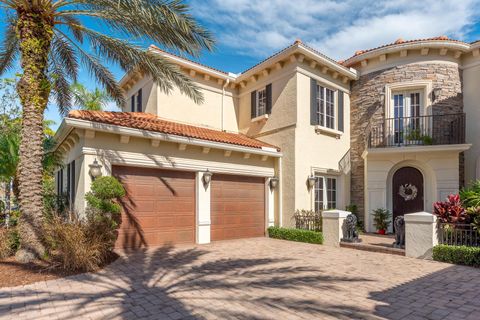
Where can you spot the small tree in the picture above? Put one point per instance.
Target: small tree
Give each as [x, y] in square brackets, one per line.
[382, 218]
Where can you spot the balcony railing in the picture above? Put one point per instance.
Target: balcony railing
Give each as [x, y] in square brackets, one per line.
[421, 130]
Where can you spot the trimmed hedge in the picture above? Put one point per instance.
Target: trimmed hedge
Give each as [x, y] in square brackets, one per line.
[469, 256]
[298, 235]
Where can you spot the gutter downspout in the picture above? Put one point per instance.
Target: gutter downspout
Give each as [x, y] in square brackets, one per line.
[227, 82]
[280, 193]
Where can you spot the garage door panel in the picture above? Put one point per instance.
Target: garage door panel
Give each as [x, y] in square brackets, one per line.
[237, 207]
[159, 207]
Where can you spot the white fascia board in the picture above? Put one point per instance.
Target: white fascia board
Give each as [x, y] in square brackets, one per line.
[61, 134]
[348, 72]
[109, 128]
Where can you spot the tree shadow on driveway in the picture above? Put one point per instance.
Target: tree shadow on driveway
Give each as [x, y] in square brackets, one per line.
[181, 283]
[451, 293]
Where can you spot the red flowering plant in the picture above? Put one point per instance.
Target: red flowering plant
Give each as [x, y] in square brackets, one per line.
[451, 210]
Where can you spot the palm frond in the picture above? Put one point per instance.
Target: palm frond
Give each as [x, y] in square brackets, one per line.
[60, 87]
[165, 73]
[68, 20]
[9, 48]
[99, 72]
[63, 52]
[165, 22]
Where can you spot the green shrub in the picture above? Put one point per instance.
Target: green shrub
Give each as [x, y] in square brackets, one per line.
[382, 218]
[469, 256]
[295, 235]
[86, 244]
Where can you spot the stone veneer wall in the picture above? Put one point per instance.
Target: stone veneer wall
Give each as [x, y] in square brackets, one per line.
[367, 107]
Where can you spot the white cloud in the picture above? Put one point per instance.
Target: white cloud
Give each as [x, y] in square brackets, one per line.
[337, 28]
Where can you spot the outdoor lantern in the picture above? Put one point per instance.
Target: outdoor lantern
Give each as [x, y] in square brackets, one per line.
[95, 169]
[273, 183]
[207, 177]
[436, 93]
[311, 181]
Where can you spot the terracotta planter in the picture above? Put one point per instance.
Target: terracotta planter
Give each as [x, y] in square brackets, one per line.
[381, 231]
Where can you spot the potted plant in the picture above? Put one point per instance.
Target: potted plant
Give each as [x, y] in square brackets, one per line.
[381, 219]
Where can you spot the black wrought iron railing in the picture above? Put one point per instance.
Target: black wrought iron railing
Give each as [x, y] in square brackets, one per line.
[458, 235]
[308, 220]
[420, 130]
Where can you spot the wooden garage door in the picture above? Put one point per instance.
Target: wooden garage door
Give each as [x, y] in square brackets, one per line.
[237, 207]
[159, 207]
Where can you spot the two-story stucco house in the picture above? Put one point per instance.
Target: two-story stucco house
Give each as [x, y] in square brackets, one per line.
[384, 128]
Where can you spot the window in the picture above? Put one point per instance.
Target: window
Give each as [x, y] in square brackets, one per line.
[325, 107]
[261, 102]
[325, 193]
[136, 102]
[70, 195]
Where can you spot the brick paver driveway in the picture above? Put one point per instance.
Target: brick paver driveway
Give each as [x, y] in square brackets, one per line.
[254, 279]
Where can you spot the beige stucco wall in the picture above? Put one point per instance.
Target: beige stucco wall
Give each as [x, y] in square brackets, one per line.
[317, 151]
[177, 107]
[440, 171]
[471, 100]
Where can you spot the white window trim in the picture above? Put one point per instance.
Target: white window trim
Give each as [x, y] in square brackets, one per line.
[425, 86]
[325, 193]
[318, 126]
[257, 102]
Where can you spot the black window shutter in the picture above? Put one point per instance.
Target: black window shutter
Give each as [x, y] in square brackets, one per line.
[132, 103]
[68, 182]
[139, 101]
[313, 102]
[340, 111]
[268, 89]
[253, 104]
[72, 183]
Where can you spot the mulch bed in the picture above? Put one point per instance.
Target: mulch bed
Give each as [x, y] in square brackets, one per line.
[13, 273]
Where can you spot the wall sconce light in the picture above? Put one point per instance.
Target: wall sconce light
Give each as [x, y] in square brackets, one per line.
[273, 183]
[95, 169]
[436, 93]
[311, 181]
[206, 178]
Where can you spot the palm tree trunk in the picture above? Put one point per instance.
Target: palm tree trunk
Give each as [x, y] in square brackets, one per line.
[34, 29]
[8, 188]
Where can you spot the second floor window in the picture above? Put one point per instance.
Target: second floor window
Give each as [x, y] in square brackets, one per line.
[261, 102]
[136, 102]
[326, 107]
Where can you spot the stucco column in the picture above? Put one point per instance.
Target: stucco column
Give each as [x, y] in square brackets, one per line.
[202, 209]
[269, 203]
[332, 226]
[420, 234]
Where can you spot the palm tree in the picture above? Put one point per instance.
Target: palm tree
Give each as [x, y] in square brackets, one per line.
[95, 100]
[49, 39]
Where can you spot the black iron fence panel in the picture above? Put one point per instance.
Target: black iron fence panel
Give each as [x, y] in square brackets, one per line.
[308, 220]
[419, 130]
[458, 235]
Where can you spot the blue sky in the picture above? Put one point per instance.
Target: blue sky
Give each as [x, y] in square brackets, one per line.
[249, 30]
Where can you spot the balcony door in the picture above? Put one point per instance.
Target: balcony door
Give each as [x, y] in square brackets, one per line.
[404, 126]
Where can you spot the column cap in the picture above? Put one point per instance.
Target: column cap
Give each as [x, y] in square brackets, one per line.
[335, 214]
[424, 217]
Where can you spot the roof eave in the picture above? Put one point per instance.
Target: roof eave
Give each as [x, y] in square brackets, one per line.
[115, 129]
[464, 47]
[299, 48]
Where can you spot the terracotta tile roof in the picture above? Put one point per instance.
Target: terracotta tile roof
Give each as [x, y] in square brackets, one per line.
[401, 41]
[150, 122]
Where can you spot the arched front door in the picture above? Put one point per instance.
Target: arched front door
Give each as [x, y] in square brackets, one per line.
[407, 186]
